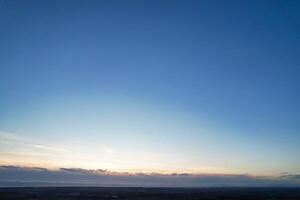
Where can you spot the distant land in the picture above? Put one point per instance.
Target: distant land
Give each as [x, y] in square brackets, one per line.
[139, 193]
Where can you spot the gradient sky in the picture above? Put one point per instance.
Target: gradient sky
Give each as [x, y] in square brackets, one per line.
[151, 86]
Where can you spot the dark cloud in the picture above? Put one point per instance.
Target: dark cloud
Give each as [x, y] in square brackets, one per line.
[291, 176]
[27, 176]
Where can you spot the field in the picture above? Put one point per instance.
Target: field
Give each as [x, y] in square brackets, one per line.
[93, 193]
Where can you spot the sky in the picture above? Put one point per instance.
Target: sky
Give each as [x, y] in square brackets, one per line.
[151, 86]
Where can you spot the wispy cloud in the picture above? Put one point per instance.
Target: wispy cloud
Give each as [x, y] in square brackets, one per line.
[109, 151]
[15, 149]
[13, 139]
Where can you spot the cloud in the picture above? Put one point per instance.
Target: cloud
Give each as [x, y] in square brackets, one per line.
[291, 176]
[28, 151]
[17, 148]
[12, 139]
[109, 151]
[32, 176]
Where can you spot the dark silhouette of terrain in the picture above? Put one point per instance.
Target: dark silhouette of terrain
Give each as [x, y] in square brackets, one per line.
[132, 193]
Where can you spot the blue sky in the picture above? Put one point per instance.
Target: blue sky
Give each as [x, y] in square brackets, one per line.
[167, 86]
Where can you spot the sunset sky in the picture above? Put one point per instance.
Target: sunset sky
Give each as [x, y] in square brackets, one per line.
[151, 86]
